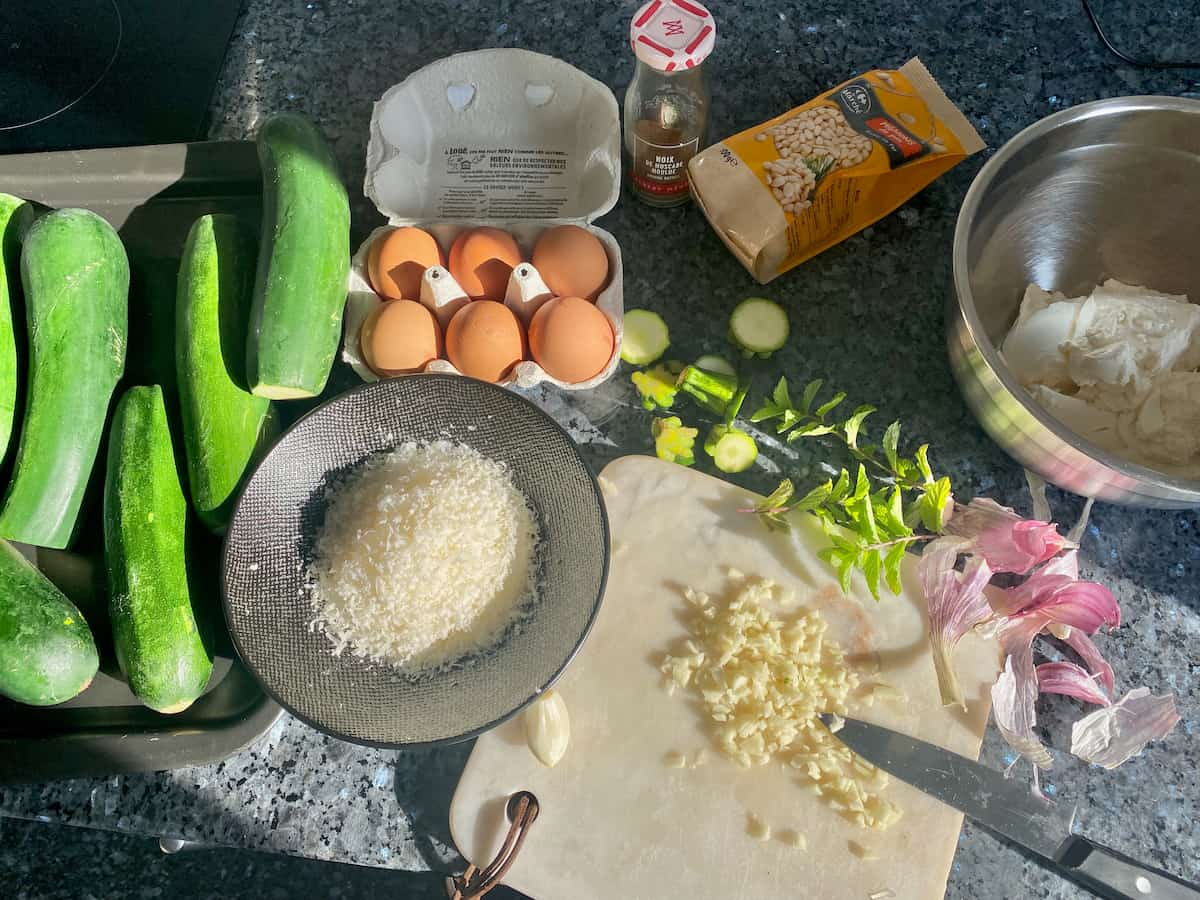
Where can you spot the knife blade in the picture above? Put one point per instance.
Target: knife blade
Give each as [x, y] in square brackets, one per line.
[1010, 809]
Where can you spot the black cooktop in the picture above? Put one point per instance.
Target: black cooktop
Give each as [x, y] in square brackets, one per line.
[108, 73]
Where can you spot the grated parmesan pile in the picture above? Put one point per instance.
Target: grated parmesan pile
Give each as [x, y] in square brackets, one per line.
[425, 555]
[763, 682]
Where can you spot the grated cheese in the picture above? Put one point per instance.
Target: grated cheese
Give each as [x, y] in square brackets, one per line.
[425, 554]
[763, 681]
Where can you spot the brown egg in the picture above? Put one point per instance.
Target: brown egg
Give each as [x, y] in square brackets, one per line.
[485, 340]
[400, 336]
[571, 339]
[481, 261]
[572, 261]
[398, 259]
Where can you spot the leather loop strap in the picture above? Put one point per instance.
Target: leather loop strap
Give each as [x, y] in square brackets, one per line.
[522, 811]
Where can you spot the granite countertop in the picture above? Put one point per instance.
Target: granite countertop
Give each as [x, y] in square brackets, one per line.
[866, 316]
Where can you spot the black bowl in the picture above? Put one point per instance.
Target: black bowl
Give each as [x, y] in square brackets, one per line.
[270, 546]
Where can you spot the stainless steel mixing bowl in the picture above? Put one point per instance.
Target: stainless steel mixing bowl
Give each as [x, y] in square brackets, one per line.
[1104, 190]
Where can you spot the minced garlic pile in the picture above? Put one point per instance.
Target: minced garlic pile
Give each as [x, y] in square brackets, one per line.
[763, 681]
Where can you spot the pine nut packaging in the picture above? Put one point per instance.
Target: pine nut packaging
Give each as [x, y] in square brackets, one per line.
[783, 191]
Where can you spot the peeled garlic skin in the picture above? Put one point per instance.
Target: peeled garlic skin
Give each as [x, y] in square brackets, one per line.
[548, 728]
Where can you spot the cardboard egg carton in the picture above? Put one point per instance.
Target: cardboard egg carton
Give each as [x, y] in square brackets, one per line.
[507, 138]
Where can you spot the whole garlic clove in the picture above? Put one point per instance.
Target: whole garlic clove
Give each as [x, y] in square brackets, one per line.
[548, 728]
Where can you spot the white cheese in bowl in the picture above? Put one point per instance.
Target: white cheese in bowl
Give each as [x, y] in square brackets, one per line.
[425, 555]
[1117, 367]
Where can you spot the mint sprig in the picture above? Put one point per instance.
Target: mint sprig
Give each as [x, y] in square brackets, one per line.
[870, 518]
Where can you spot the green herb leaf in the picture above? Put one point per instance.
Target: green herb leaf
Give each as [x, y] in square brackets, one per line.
[862, 484]
[772, 510]
[829, 405]
[841, 487]
[935, 498]
[871, 566]
[854, 423]
[891, 566]
[778, 497]
[780, 395]
[891, 441]
[922, 458]
[814, 498]
[786, 421]
[810, 394]
[780, 403]
[845, 568]
[810, 429]
[844, 545]
[893, 514]
[767, 411]
[865, 511]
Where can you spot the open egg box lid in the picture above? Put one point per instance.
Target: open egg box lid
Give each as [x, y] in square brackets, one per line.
[495, 136]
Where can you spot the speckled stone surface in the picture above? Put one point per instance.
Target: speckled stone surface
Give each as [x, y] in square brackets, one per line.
[866, 316]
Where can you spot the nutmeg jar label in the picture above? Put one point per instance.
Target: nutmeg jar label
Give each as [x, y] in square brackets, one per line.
[784, 191]
[661, 168]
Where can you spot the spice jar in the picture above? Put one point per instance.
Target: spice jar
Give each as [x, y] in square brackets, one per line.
[666, 104]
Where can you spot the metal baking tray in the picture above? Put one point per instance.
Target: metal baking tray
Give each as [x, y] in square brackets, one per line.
[151, 195]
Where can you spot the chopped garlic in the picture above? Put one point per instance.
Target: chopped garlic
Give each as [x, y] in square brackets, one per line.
[675, 760]
[757, 828]
[548, 728]
[881, 690]
[763, 681]
[700, 758]
[794, 838]
[885, 894]
[862, 852]
[836, 723]
[735, 574]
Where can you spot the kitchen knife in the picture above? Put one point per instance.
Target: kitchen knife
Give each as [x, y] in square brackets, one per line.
[1009, 808]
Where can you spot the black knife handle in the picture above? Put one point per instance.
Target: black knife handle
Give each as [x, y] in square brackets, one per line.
[1115, 876]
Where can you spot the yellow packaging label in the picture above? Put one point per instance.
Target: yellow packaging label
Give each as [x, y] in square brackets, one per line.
[782, 192]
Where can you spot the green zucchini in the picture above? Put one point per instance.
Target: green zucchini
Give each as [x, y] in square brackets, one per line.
[156, 633]
[75, 277]
[759, 326]
[645, 338]
[718, 365]
[10, 251]
[303, 263]
[47, 654]
[224, 425]
[731, 448]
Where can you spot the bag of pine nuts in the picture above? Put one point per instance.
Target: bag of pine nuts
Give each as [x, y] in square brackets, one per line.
[782, 192]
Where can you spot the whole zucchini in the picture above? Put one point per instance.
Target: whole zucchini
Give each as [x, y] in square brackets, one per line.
[75, 277]
[303, 263]
[13, 210]
[47, 654]
[155, 631]
[224, 425]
